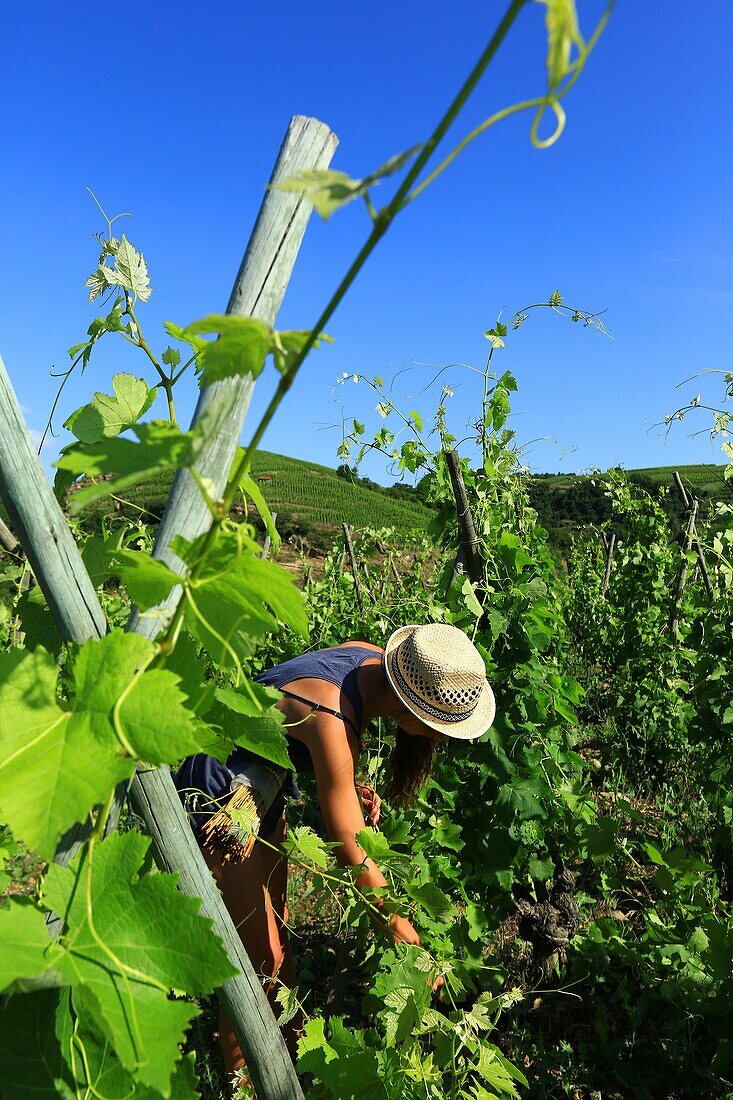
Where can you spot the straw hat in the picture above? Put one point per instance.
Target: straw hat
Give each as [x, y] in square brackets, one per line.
[440, 676]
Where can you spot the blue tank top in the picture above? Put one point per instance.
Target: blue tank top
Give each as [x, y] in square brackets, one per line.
[209, 780]
[339, 666]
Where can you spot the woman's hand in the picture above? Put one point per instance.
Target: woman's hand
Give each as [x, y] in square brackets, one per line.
[402, 931]
[371, 802]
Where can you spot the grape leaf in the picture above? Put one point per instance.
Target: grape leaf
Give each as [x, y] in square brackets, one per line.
[55, 762]
[36, 1031]
[343, 1063]
[37, 621]
[147, 580]
[288, 345]
[326, 188]
[107, 416]
[252, 490]
[145, 934]
[156, 722]
[71, 750]
[196, 343]
[261, 733]
[541, 869]
[27, 950]
[228, 618]
[242, 347]
[227, 609]
[308, 844]
[130, 271]
[161, 446]
[32, 1027]
[431, 899]
[329, 189]
[191, 672]
[376, 845]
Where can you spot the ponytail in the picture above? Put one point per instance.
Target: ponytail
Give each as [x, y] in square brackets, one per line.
[409, 767]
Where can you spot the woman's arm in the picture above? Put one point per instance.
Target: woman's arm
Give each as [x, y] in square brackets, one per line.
[334, 751]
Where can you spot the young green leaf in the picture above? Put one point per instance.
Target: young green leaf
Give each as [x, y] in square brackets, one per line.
[147, 580]
[308, 845]
[71, 752]
[376, 845]
[492, 335]
[108, 416]
[288, 345]
[328, 189]
[249, 725]
[155, 721]
[251, 489]
[431, 899]
[35, 1034]
[242, 347]
[161, 447]
[171, 356]
[76, 750]
[196, 343]
[24, 935]
[236, 597]
[130, 271]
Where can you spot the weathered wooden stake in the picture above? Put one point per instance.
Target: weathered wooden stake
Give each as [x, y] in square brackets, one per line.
[393, 567]
[348, 531]
[258, 291]
[267, 541]
[57, 563]
[41, 527]
[468, 555]
[8, 540]
[686, 500]
[610, 546]
[682, 575]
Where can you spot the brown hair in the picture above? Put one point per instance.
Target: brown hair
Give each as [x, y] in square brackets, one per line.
[409, 767]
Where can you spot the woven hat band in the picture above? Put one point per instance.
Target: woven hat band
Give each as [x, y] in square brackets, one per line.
[435, 712]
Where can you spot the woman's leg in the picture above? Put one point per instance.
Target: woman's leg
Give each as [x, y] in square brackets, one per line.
[276, 866]
[244, 888]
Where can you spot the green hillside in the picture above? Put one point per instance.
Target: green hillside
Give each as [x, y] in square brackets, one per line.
[565, 502]
[707, 477]
[310, 500]
[313, 501]
[313, 498]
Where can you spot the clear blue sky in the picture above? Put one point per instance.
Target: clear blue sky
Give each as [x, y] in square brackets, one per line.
[176, 112]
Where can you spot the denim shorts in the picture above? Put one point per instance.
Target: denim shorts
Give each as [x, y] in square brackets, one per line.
[205, 785]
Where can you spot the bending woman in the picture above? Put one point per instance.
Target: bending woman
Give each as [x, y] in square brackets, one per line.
[430, 679]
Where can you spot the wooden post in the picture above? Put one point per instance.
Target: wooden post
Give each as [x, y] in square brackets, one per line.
[79, 617]
[393, 567]
[8, 540]
[266, 543]
[41, 527]
[609, 559]
[348, 531]
[682, 575]
[258, 291]
[686, 500]
[468, 544]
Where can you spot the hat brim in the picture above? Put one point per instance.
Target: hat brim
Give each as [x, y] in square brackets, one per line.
[478, 722]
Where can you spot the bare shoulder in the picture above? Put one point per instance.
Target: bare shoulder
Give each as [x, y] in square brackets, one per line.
[377, 650]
